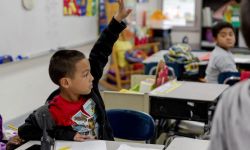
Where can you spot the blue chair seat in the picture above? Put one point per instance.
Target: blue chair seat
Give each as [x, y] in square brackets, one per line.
[229, 78]
[131, 125]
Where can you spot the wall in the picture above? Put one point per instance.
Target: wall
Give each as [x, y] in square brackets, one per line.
[193, 37]
[41, 29]
[25, 85]
[242, 42]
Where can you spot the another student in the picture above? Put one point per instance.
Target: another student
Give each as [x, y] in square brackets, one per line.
[230, 129]
[76, 110]
[221, 59]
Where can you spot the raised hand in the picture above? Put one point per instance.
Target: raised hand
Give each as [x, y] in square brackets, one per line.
[122, 12]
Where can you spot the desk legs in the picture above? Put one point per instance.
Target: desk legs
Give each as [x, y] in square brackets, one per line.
[168, 114]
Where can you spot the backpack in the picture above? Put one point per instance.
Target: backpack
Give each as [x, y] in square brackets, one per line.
[181, 54]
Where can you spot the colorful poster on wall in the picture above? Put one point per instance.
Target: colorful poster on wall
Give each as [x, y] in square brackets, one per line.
[79, 7]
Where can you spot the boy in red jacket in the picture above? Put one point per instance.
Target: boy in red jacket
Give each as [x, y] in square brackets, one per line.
[76, 110]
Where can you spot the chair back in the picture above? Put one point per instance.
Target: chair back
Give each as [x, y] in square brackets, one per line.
[171, 71]
[229, 78]
[1, 128]
[131, 124]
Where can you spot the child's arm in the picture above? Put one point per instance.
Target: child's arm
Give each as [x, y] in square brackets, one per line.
[225, 65]
[14, 142]
[103, 47]
[30, 129]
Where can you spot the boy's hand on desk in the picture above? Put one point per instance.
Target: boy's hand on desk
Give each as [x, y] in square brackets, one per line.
[81, 138]
[122, 12]
[14, 142]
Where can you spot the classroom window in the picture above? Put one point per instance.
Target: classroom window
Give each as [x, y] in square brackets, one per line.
[180, 12]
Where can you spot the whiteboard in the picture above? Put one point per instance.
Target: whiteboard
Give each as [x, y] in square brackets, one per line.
[41, 29]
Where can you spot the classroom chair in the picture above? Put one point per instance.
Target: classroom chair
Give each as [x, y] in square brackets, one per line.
[229, 78]
[131, 124]
[171, 71]
[1, 128]
[121, 76]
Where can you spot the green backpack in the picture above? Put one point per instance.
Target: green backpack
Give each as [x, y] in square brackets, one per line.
[181, 54]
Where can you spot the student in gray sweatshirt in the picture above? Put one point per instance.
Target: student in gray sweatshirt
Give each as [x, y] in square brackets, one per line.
[231, 129]
[221, 59]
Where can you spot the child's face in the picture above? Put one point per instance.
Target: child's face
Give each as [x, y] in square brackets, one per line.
[81, 83]
[225, 38]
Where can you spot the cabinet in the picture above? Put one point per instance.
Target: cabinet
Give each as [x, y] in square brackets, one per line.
[214, 11]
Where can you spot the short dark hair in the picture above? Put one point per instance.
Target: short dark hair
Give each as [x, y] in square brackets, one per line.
[245, 20]
[219, 26]
[62, 64]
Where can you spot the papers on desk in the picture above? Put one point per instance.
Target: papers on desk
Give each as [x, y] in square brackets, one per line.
[166, 88]
[188, 144]
[126, 147]
[88, 145]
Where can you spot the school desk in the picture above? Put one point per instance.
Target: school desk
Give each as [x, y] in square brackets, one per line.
[97, 145]
[188, 144]
[182, 100]
[241, 60]
[170, 99]
[151, 62]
